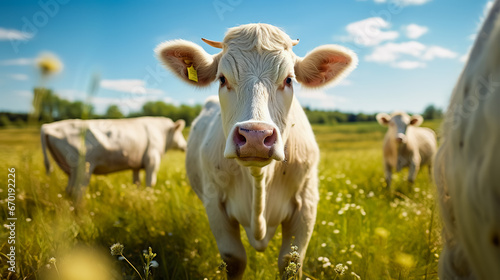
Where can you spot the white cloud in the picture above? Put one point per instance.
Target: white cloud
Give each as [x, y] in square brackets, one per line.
[438, 52]
[13, 34]
[411, 2]
[318, 99]
[404, 2]
[24, 93]
[464, 57]
[408, 64]
[413, 31]
[17, 62]
[396, 54]
[390, 52]
[129, 86]
[19, 77]
[368, 32]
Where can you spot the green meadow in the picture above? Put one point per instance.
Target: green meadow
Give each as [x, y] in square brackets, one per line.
[375, 232]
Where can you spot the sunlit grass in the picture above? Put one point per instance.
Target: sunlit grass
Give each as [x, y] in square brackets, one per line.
[372, 232]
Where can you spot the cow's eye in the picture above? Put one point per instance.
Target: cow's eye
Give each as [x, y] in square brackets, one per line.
[288, 81]
[222, 81]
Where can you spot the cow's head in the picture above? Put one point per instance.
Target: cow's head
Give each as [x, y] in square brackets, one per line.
[398, 123]
[175, 139]
[256, 70]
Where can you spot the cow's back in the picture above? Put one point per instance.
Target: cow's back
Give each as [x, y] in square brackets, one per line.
[426, 143]
[109, 145]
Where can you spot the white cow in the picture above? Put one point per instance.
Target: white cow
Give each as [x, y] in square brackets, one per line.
[83, 147]
[252, 158]
[467, 170]
[406, 144]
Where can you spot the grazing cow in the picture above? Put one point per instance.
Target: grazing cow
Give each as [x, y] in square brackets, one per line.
[467, 169]
[252, 157]
[406, 144]
[108, 146]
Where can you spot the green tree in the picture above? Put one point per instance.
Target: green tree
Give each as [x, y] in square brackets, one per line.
[113, 112]
[431, 112]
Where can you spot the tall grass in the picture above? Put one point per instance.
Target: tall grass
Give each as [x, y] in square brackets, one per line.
[374, 232]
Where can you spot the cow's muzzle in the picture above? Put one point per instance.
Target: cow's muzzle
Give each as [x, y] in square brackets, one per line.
[254, 142]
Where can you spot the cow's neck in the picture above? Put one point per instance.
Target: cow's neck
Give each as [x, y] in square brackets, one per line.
[258, 203]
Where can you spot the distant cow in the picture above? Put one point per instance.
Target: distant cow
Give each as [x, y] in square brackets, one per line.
[108, 146]
[252, 158]
[467, 170]
[406, 144]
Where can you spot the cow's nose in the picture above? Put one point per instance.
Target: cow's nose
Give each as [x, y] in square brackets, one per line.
[255, 141]
[400, 138]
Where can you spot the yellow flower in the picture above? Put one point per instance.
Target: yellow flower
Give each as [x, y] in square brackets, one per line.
[405, 260]
[49, 64]
[382, 232]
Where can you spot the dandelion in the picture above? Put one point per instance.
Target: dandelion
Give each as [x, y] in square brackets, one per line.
[53, 262]
[49, 64]
[117, 249]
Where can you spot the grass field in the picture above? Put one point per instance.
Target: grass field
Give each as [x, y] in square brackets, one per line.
[376, 233]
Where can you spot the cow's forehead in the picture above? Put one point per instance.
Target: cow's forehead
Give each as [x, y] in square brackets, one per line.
[401, 118]
[259, 37]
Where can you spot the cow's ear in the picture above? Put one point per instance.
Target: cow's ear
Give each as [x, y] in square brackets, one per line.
[383, 118]
[179, 125]
[325, 64]
[179, 55]
[416, 120]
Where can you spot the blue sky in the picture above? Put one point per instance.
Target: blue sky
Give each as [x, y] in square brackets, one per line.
[410, 51]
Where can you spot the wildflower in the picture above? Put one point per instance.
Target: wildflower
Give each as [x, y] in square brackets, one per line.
[382, 232]
[49, 64]
[355, 275]
[223, 266]
[117, 249]
[340, 269]
[405, 260]
[154, 264]
[293, 266]
[52, 260]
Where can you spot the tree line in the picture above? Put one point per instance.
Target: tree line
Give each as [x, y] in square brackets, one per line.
[52, 107]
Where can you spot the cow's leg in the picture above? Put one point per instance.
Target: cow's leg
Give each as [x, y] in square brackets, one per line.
[83, 182]
[297, 231]
[71, 181]
[152, 164]
[414, 167]
[227, 236]
[388, 174]
[136, 179]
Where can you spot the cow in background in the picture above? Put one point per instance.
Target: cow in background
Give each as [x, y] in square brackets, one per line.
[252, 157]
[467, 169]
[85, 147]
[406, 144]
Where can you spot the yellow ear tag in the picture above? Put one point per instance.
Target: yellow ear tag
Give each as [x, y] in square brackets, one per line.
[192, 74]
